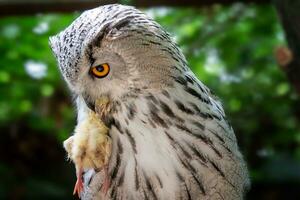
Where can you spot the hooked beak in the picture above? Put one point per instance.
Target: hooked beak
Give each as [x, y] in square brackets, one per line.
[90, 104]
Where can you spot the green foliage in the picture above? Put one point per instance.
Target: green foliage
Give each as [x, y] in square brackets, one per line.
[26, 98]
[230, 49]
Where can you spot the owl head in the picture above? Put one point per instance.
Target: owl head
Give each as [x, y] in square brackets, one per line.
[113, 49]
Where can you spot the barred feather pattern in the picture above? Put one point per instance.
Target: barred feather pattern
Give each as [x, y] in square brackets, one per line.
[175, 144]
[171, 139]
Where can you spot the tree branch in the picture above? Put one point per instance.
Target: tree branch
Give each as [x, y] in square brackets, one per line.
[289, 58]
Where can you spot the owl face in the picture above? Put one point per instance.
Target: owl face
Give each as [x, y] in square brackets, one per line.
[113, 49]
[104, 73]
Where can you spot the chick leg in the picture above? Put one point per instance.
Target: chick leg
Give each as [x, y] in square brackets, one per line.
[106, 182]
[79, 183]
[78, 188]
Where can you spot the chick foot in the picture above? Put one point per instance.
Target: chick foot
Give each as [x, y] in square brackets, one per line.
[106, 182]
[79, 184]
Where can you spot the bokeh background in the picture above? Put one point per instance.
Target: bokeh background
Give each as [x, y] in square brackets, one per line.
[229, 47]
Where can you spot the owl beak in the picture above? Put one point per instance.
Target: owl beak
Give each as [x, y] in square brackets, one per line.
[90, 104]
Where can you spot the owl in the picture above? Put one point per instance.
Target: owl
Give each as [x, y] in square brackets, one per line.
[169, 135]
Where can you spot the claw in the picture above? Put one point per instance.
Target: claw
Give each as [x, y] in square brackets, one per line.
[79, 184]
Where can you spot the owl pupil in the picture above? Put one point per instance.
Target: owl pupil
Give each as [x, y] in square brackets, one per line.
[100, 68]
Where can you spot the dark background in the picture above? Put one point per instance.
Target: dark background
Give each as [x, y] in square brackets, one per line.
[233, 47]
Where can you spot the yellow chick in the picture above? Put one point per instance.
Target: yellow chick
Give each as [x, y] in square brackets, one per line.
[90, 146]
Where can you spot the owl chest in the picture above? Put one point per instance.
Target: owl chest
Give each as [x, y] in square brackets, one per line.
[144, 159]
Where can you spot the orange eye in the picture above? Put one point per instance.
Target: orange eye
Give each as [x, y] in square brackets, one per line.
[100, 71]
